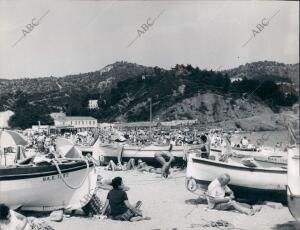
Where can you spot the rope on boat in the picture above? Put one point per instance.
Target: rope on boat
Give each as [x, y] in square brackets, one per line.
[63, 179]
[291, 194]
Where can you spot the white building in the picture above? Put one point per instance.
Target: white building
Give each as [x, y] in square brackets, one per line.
[57, 115]
[179, 122]
[233, 79]
[4, 118]
[41, 128]
[76, 122]
[93, 104]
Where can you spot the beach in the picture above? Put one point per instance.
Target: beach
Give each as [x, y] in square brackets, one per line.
[164, 201]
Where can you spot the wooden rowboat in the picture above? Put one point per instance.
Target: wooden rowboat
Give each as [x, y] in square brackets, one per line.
[105, 153]
[67, 185]
[253, 184]
[293, 187]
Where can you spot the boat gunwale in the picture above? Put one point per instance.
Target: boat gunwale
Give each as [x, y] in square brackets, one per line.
[237, 167]
[40, 171]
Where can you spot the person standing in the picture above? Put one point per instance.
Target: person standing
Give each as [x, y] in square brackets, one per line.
[204, 146]
[226, 148]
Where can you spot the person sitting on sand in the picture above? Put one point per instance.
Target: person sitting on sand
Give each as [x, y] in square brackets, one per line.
[217, 199]
[10, 219]
[144, 167]
[120, 208]
[119, 167]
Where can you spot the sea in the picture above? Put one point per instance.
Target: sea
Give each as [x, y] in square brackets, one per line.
[267, 138]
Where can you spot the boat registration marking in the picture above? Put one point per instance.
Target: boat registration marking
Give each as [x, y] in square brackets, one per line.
[55, 177]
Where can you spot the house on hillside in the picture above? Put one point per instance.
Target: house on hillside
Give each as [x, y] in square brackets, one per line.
[233, 79]
[93, 104]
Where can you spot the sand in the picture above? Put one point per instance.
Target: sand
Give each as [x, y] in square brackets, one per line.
[164, 201]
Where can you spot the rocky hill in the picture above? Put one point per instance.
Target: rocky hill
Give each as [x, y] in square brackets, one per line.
[123, 91]
[266, 70]
[55, 91]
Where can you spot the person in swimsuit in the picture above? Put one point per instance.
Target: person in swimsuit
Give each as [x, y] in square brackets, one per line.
[143, 167]
[165, 159]
[119, 167]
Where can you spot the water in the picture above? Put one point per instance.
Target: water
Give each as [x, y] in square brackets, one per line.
[269, 138]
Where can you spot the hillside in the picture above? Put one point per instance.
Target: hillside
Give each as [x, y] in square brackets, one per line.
[57, 91]
[266, 70]
[123, 91]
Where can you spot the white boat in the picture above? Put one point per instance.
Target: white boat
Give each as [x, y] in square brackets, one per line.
[67, 185]
[293, 190]
[293, 187]
[246, 149]
[107, 152]
[250, 183]
[265, 154]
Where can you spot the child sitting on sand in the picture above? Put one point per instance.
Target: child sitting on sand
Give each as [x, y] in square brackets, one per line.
[120, 208]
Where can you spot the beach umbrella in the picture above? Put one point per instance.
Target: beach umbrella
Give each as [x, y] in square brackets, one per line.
[67, 149]
[11, 139]
[118, 136]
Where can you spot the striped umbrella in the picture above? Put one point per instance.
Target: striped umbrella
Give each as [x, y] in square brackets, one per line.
[11, 139]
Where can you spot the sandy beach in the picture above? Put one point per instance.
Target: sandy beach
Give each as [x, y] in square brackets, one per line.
[164, 201]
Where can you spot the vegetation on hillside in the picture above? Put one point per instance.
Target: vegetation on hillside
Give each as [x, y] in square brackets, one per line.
[123, 91]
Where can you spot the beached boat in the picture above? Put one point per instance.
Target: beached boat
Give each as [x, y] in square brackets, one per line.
[293, 190]
[252, 184]
[107, 152]
[265, 154]
[241, 150]
[49, 187]
[293, 187]
[247, 149]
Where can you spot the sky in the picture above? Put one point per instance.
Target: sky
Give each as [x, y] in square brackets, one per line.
[70, 37]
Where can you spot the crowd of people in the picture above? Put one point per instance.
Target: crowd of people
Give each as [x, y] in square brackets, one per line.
[117, 207]
[164, 158]
[144, 136]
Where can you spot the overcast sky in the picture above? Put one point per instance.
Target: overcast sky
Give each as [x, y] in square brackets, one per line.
[82, 36]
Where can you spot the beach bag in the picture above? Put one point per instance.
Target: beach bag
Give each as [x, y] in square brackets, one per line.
[93, 207]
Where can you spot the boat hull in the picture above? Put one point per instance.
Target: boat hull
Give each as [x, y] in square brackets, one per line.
[293, 190]
[145, 153]
[42, 188]
[253, 184]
